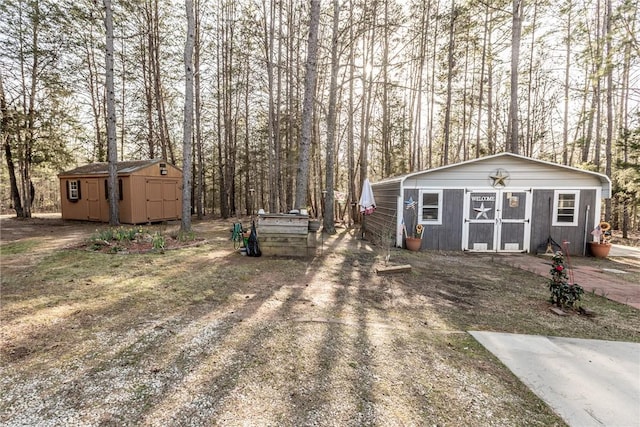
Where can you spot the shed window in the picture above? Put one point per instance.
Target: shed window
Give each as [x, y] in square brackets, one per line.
[565, 207]
[73, 190]
[430, 211]
[106, 189]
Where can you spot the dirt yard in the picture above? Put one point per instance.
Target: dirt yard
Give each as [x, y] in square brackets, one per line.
[204, 336]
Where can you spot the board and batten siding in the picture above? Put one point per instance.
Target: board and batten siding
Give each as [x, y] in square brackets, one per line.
[541, 228]
[442, 237]
[538, 179]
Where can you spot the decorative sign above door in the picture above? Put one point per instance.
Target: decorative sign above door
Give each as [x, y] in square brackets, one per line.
[499, 179]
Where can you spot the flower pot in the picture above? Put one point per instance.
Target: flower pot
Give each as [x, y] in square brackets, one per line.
[600, 250]
[413, 243]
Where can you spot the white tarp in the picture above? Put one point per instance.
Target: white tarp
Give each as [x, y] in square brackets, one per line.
[367, 201]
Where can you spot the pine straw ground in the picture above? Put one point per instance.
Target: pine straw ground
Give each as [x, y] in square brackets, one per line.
[204, 336]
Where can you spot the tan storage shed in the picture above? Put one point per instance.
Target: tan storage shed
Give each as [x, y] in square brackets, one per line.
[149, 191]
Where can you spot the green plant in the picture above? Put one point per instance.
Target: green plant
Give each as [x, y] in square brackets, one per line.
[186, 236]
[158, 242]
[120, 234]
[126, 234]
[105, 235]
[563, 294]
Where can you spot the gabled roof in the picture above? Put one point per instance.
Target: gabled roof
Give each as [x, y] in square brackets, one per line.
[102, 168]
[605, 181]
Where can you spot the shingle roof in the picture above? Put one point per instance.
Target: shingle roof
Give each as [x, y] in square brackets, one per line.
[102, 168]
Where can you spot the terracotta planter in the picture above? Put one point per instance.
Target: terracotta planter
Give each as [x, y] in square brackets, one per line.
[413, 243]
[600, 250]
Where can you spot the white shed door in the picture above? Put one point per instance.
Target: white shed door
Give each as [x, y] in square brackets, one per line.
[497, 221]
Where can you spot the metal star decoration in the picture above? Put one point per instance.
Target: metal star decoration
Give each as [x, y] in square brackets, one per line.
[482, 211]
[499, 178]
[411, 204]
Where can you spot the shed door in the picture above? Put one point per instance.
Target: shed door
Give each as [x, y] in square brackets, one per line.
[154, 200]
[93, 200]
[496, 221]
[162, 200]
[514, 225]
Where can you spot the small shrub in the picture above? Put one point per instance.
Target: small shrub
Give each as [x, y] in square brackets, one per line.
[158, 242]
[563, 294]
[123, 234]
[105, 235]
[186, 236]
[120, 234]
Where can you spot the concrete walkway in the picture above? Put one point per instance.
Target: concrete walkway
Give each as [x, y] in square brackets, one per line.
[586, 382]
[600, 281]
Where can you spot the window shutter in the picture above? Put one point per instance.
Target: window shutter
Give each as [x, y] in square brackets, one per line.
[68, 191]
[79, 194]
[120, 189]
[106, 189]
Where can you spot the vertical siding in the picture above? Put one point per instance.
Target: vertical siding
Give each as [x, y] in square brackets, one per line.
[73, 209]
[523, 174]
[543, 217]
[448, 235]
[125, 207]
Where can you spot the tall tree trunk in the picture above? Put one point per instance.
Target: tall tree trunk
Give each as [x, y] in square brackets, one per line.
[148, 92]
[450, 65]
[247, 159]
[482, 73]
[307, 106]
[528, 151]
[112, 142]
[598, 98]
[269, 29]
[432, 89]
[328, 218]
[185, 224]
[354, 217]
[199, 178]
[567, 70]
[491, 142]
[367, 89]
[516, 31]
[609, 95]
[7, 135]
[222, 185]
[386, 137]
[415, 161]
[277, 164]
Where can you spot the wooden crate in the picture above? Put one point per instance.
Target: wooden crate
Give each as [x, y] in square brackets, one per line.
[283, 234]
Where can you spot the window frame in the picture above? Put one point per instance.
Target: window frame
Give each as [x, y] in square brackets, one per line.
[421, 206]
[73, 194]
[556, 208]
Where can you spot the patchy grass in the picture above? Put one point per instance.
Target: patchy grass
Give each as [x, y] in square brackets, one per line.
[202, 335]
[16, 248]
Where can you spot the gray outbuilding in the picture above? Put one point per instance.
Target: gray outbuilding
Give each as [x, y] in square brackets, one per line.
[499, 203]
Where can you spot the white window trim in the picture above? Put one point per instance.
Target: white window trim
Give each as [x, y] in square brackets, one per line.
[576, 210]
[73, 192]
[437, 221]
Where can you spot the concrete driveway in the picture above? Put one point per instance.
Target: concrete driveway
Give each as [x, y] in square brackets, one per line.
[586, 382]
[624, 251]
